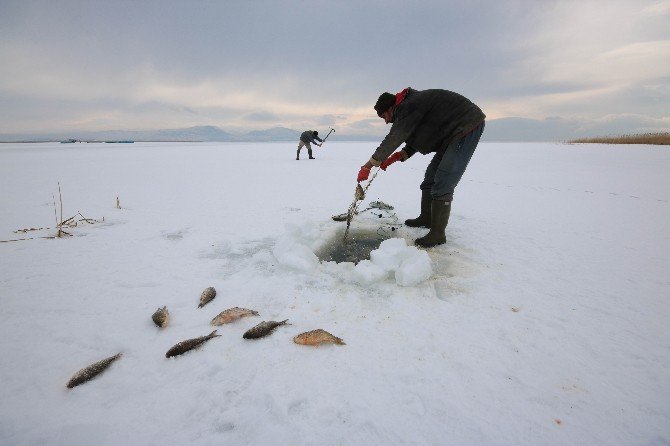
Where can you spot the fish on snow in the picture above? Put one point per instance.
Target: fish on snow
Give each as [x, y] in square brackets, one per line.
[207, 296]
[263, 329]
[232, 314]
[161, 317]
[90, 372]
[317, 337]
[189, 344]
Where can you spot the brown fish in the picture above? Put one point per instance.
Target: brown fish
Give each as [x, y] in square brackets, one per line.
[263, 329]
[189, 344]
[161, 317]
[91, 371]
[360, 194]
[207, 296]
[317, 337]
[232, 314]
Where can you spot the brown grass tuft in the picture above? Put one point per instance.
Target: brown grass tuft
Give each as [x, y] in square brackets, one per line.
[71, 222]
[661, 139]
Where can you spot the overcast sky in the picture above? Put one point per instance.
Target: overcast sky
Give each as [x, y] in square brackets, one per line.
[243, 65]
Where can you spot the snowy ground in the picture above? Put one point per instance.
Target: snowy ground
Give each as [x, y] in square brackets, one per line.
[544, 319]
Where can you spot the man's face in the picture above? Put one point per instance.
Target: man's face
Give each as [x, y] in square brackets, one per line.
[387, 116]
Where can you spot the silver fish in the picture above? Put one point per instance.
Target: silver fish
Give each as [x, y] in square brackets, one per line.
[232, 314]
[189, 344]
[263, 329]
[207, 296]
[317, 337]
[91, 371]
[161, 317]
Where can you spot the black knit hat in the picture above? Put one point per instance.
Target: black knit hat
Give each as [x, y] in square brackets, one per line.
[385, 101]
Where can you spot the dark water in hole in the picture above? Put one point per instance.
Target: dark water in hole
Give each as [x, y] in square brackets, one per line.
[358, 246]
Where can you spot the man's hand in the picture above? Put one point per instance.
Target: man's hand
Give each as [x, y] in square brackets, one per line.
[390, 160]
[363, 174]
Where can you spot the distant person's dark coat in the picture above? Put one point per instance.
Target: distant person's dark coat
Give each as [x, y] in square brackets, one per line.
[308, 137]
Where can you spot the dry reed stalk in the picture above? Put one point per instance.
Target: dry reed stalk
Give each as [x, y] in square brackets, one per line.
[28, 230]
[56, 214]
[60, 223]
[67, 222]
[70, 223]
[30, 238]
[87, 220]
[644, 138]
[60, 197]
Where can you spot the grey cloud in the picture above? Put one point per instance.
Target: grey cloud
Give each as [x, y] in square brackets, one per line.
[342, 53]
[327, 119]
[561, 129]
[364, 124]
[261, 117]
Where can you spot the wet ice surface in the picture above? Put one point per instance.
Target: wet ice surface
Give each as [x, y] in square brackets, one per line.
[542, 320]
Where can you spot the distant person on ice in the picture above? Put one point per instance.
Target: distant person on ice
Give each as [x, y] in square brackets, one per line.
[429, 121]
[307, 137]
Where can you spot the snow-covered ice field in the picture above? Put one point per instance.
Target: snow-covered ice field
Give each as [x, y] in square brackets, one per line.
[544, 320]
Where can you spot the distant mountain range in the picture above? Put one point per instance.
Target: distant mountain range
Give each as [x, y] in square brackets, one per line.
[206, 133]
[504, 129]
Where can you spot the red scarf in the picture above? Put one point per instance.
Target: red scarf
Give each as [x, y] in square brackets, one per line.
[399, 97]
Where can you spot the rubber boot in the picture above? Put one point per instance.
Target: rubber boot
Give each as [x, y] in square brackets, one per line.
[439, 217]
[297, 155]
[310, 155]
[423, 220]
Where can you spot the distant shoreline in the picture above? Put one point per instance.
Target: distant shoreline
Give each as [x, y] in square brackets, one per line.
[662, 138]
[97, 142]
[176, 140]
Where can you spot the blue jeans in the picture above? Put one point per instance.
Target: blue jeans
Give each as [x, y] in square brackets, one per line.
[447, 166]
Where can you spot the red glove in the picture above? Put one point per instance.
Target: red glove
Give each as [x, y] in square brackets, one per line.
[390, 160]
[363, 174]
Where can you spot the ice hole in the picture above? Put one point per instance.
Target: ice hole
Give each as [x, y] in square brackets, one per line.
[358, 246]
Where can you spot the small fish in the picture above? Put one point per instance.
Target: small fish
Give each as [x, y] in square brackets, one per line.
[360, 194]
[263, 329]
[161, 317]
[232, 314]
[207, 296]
[91, 371]
[317, 337]
[189, 344]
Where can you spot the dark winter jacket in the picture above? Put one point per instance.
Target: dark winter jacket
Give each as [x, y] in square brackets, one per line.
[308, 136]
[428, 121]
